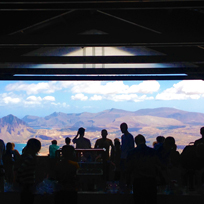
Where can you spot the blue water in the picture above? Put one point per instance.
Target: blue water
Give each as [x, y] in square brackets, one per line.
[19, 147]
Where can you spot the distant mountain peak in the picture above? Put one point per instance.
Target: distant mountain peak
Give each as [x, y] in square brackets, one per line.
[11, 120]
[55, 114]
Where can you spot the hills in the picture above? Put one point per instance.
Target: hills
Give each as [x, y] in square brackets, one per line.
[112, 118]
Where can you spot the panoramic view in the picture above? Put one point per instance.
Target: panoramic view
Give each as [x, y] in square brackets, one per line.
[56, 109]
[102, 102]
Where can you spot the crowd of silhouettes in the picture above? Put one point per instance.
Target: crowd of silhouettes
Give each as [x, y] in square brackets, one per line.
[130, 160]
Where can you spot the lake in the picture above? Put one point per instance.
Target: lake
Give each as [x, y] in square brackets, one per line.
[19, 147]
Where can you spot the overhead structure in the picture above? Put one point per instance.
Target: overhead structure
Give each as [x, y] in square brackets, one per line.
[39, 40]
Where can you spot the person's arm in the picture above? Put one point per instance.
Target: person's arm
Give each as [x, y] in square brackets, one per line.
[75, 138]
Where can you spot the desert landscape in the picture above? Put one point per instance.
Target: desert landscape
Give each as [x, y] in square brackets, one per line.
[182, 125]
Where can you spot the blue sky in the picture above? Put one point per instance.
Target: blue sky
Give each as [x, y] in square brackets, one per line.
[40, 98]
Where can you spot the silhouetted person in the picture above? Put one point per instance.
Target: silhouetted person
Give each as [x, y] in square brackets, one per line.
[80, 141]
[115, 158]
[53, 148]
[67, 142]
[106, 143]
[160, 141]
[201, 140]
[66, 176]
[165, 154]
[191, 159]
[142, 164]
[2, 171]
[127, 141]
[8, 160]
[165, 150]
[26, 171]
[127, 144]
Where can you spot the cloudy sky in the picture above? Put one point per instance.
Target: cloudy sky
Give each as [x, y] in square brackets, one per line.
[40, 98]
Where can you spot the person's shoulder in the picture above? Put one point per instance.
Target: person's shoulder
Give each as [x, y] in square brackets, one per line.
[198, 141]
[109, 140]
[130, 135]
[99, 141]
[86, 139]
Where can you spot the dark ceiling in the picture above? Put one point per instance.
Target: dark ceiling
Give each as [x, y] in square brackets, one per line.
[173, 28]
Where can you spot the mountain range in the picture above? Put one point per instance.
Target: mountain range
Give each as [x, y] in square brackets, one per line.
[183, 125]
[113, 117]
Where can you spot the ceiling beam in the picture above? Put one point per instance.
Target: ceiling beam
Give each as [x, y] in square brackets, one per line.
[101, 59]
[100, 40]
[69, 71]
[99, 78]
[48, 5]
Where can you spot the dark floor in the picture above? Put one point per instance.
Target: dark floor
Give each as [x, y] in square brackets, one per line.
[93, 198]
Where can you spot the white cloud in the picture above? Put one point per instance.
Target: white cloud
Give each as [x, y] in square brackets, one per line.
[191, 89]
[8, 100]
[43, 87]
[96, 98]
[128, 97]
[86, 87]
[81, 97]
[145, 87]
[33, 100]
[116, 87]
[38, 100]
[116, 90]
[49, 98]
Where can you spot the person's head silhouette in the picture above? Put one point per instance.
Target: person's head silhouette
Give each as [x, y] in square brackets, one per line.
[67, 140]
[104, 133]
[202, 131]
[160, 139]
[54, 142]
[81, 131]
[169, 143]
[140, 139]
[116, 142]
[124, 128]
[8, 146]
[33, 146]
